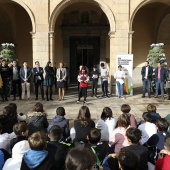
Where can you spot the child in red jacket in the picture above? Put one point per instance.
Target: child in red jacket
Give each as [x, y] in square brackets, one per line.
[83, 78]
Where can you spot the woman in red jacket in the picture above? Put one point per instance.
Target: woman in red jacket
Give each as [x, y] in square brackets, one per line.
[83, 78]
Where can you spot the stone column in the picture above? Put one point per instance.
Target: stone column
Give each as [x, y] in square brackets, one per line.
[130, 42]
[112, 60]
[51, 46]
[102, 48]
[33, 48]
[40, 47]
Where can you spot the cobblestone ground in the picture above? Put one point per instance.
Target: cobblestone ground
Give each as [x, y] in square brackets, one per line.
[138, 105]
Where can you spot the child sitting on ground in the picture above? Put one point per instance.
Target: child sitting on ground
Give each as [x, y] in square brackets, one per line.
[61, 121]
[5, 139]
[125, 108]
[8, 120]
[99, 149]
[21, 131]
[152, 110]
[37, 157]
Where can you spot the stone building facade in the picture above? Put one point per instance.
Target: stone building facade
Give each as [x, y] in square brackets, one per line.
[84, 31]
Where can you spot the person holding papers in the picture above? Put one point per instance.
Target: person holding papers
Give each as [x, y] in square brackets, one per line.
[120, 76]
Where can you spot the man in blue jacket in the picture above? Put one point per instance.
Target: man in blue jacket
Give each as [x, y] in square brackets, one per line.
[160, 77]
[146, 73]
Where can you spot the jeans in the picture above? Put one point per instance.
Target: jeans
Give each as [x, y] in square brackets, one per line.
[161, 84]
[104, 87]
[146, 85]
[119, 88]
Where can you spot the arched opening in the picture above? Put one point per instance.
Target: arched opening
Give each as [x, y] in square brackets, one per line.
[150, 25]
[81, 37]
[15, 28]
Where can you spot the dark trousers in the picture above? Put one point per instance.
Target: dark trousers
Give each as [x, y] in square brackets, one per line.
[39, 84]
[49, 87]
[104, 87]
[82, 92]
[94, 88]
[66, 83]
[78, 86]
[168, 93]
[5, 89]
[16, 84]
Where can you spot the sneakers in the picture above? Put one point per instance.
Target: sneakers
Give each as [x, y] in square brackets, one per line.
[122, 97]
[78, 101]
[143, 96]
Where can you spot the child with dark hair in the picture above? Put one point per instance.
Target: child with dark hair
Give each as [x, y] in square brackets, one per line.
[8, 120]
[83, 78]
[21, 131]
[57, 149]
[99, 149]
[127, 160]
[5, 139]
[61, 121]
[124, 160]
[125, 108]
[83, 124]
[158, 138]
[80, 159]
[37, 157]
[118, 138]
[106, 124]
[37, 119]
[147, 128]
[134, 136]
[94, 75]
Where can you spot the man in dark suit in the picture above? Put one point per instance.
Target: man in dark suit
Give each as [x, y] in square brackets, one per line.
[15, 78]
[25, 75]
[38, 79]
[146, 73]
[5, 74]
[160, 77]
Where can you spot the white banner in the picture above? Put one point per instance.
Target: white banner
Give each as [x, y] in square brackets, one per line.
[126, 61]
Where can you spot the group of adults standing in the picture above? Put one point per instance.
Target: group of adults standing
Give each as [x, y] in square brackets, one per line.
[20, 78]
[161, 75]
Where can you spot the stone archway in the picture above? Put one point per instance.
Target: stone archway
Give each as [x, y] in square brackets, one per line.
[106, 9]
[21, 25]
[111, 31]
[81, 22]
[145, 23]
[30, 13]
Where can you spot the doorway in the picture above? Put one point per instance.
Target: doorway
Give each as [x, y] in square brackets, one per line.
[83, 51]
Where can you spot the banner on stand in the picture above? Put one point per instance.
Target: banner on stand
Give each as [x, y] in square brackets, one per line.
[126, 61]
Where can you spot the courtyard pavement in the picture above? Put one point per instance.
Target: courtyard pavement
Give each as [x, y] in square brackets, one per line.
[138, 104]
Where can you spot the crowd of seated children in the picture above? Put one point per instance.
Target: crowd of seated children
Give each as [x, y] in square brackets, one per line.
[32, 150]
